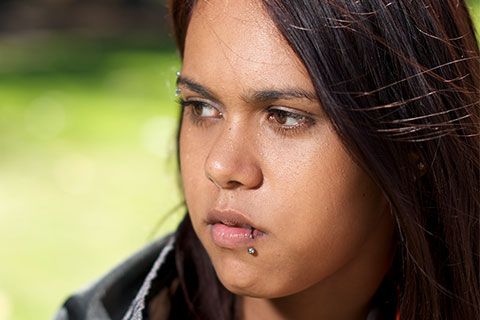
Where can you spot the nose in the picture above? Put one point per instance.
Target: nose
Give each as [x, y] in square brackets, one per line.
[233, 162]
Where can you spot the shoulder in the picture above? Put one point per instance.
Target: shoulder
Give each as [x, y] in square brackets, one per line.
[111, 296]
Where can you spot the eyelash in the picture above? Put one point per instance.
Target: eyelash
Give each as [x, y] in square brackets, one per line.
[284, 130]
[196, 120]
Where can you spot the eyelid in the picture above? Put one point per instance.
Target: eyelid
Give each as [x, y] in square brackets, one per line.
[304, 121]
[203, 100]
[293, 111]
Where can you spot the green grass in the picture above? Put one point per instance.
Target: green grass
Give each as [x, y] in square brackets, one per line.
[87, 133]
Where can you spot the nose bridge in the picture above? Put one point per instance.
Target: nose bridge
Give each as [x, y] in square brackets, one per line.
[232, 162]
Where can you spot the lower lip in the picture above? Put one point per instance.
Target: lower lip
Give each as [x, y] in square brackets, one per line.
[233, 237]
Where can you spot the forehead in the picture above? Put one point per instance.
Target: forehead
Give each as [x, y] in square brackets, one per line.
[236, 43]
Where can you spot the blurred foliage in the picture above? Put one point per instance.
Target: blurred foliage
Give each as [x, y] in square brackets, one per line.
[87, 166]
[474, 6]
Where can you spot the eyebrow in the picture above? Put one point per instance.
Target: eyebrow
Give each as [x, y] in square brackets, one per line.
[196, 87]
[267, 95]
[255, 96]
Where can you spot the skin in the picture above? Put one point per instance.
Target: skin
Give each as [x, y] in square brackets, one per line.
[328, 232]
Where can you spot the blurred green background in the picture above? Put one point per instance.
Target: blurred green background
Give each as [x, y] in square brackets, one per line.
[87, 143]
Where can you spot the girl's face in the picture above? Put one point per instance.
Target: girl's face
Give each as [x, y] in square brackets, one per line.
[262, 167]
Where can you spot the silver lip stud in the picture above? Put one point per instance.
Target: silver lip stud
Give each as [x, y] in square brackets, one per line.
[251, 250]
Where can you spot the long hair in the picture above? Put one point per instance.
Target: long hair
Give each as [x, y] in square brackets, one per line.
[400, 82]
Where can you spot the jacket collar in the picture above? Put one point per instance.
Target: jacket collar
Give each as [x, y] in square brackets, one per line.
[135, 311]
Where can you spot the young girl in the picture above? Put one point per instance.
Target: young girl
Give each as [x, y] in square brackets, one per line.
[330, 160]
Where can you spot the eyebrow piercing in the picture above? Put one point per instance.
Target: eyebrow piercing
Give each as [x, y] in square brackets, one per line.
[178, 73]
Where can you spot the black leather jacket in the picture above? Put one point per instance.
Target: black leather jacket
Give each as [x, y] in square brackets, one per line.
[123, 292]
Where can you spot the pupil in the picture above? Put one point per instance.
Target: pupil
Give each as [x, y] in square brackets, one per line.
[281, 117]
[197, 109]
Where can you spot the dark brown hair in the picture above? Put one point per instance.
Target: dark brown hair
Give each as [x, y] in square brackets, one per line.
[400, 82]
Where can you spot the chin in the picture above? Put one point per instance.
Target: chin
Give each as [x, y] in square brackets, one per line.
[240, 289]
[239, 278]
[259, 290]
[235, 280]
[249, 284]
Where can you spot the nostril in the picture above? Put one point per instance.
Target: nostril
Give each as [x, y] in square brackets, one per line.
[233, 184]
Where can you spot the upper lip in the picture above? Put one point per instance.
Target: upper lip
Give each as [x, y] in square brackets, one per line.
[229, 217]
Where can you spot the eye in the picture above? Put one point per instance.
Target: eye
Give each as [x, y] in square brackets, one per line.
[286, 118]
[201, 109]
[288, 123]
[204, 110]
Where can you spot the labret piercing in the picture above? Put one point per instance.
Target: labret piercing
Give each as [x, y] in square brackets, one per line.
[251, 250]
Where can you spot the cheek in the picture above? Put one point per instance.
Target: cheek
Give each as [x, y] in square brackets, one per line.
[336, 220]
[194, 145]
[317, 184]
[190, 165]
[322, 207]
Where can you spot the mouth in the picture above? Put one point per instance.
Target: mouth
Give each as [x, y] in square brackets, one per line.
[229, 229]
